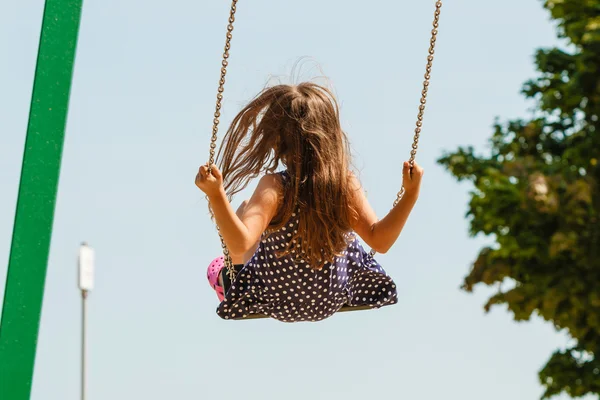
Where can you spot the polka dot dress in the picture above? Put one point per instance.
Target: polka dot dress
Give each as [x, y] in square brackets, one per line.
[290, 291]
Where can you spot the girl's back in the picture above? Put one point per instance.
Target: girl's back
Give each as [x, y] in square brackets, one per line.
[289, 289]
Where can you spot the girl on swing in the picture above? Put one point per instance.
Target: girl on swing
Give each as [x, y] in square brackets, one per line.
[293, 243]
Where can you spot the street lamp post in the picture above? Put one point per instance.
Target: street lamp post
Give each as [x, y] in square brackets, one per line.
[86, 284]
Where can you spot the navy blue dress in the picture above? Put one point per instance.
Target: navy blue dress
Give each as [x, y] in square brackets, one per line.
[291, 291]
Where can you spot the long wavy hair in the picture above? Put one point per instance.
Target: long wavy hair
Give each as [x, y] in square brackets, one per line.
[298, 127]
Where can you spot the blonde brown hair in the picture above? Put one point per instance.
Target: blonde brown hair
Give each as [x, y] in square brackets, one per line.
[299, 127]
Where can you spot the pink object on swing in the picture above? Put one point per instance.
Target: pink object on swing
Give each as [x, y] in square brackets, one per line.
[212, 273]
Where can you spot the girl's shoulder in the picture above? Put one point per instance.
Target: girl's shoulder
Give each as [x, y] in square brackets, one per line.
[273, 180]
[277, 178]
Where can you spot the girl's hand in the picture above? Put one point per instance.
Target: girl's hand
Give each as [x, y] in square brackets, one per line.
[210, 183]
[412, 179]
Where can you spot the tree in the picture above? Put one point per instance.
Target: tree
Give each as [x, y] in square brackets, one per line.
[537, 194]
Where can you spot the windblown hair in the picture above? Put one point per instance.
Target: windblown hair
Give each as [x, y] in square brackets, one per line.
[298, 127]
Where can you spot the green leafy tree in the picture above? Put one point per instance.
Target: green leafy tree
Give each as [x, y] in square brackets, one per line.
[537, 194]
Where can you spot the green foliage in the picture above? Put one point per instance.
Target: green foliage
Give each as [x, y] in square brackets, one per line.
[537, 193]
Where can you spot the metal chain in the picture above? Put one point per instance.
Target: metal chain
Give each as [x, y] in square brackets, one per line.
[415, 144]
[423, 102]
[215, 130]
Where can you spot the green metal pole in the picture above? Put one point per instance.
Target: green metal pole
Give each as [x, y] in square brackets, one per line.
[37, 198]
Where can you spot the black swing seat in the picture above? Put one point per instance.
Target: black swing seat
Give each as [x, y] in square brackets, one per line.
[343, 309]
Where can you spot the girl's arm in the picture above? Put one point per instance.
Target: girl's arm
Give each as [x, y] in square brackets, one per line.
[242, 233]
[381, 235]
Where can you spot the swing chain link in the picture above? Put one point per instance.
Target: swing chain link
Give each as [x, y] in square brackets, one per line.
[423, 102]
[215, 129]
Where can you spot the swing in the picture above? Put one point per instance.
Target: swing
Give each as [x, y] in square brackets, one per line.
[217, 115]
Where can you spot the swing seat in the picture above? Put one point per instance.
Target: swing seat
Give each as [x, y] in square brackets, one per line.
[343, 309]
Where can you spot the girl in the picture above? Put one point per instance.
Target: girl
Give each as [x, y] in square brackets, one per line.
[293, 243]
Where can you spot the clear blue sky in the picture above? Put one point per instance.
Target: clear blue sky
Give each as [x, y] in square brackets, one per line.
[139, 127]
